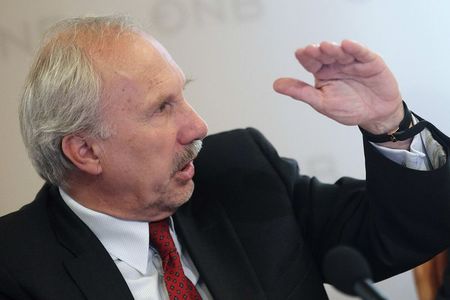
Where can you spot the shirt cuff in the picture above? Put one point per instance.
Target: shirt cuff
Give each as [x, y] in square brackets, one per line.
[425, 152]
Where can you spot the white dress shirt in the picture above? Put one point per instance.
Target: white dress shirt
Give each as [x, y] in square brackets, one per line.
[128, 241]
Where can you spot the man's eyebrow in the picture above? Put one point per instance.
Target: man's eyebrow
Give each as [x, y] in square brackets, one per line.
[188, 80]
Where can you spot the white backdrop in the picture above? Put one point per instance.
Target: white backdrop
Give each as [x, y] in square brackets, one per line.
[234, 49]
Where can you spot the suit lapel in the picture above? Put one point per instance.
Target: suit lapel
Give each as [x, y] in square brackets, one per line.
[87, 261]
[97, 278]
[212, 243]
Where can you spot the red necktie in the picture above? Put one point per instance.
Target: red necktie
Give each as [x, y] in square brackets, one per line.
[178, 286]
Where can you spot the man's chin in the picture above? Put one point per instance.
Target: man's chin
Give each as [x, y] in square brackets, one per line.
[177, 195]
[187, 194]
[183, 195]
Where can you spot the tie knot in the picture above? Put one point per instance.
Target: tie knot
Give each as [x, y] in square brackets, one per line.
[160, 237]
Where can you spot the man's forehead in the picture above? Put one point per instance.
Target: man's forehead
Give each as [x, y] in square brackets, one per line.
[139, 56]
[150, 71]
[162, 51]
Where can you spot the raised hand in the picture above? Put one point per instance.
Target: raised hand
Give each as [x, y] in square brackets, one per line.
[353, 86]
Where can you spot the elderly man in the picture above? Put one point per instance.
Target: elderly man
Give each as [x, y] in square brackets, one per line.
[106, 124]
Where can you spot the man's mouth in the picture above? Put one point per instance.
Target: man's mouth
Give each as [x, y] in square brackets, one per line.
[184, 166]
[187, 172]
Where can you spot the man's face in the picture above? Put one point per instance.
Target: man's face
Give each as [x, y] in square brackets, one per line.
[146, 171]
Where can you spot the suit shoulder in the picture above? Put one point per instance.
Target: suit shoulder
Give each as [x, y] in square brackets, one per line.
[28, 221]
[238, 133]
[242, 152]
[241, 142]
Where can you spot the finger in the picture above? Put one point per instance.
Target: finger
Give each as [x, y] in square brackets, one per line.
[334, 50]
[316, 52]
[307, 57]
[358, 51]
[298, 90]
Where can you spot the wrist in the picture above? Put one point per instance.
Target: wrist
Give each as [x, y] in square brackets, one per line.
[399, 120]
[401, 131]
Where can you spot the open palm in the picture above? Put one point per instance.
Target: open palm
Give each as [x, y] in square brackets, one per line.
[353, 86]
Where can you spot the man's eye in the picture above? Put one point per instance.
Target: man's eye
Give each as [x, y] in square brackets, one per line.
[163, 107]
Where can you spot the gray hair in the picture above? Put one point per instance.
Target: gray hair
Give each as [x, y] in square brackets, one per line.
[63, 90]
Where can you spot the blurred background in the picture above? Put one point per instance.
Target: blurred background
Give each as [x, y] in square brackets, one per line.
[234, 49]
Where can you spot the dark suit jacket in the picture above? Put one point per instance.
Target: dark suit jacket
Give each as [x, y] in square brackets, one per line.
[254, 227]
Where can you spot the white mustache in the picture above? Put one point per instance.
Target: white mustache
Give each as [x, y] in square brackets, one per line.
[189, 153]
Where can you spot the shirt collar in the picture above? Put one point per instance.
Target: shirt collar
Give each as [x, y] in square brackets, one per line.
[123, 239]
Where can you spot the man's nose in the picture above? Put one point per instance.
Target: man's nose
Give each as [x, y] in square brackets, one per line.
[194, 127]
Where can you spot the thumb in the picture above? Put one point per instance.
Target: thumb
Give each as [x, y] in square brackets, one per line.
[298, 90]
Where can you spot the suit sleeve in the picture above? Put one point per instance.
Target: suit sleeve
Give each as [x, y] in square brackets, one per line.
[9, 288]
[397, 217]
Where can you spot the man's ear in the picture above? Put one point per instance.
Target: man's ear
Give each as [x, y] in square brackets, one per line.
[83, 153]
